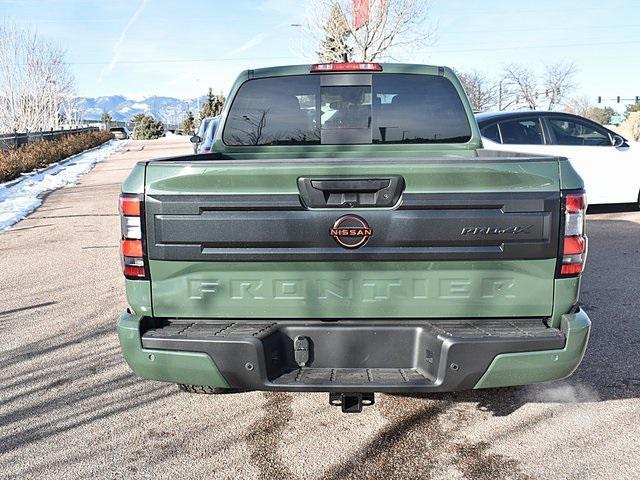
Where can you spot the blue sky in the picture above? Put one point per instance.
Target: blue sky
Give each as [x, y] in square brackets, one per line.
[157, 47]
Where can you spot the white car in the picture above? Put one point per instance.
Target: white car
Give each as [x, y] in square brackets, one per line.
[210, 132]
[608, 163]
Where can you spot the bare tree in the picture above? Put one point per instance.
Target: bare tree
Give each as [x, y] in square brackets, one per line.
[579, 106]
[34, 80]
[481, 90]
[521, 87]
[558, 81]
[584, 107]
[391, 25]
[73, 110]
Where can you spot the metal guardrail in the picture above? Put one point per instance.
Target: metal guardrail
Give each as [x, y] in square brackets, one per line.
[14, 140]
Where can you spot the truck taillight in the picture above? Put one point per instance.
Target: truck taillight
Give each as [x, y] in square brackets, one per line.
[131, 245]
[130, 205]
[573, 252]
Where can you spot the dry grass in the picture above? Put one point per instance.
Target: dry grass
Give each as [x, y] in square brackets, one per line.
[13, 162]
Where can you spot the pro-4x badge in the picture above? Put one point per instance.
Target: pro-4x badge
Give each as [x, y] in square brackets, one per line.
[351, 231]
[514, 230]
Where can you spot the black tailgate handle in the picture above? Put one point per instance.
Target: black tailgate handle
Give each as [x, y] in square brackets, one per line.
[350, 192]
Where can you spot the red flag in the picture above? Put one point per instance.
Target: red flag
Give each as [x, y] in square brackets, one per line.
[360, 13]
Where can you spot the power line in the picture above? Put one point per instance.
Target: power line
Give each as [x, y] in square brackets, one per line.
[530, 47]
[545, 29]
[188, 60]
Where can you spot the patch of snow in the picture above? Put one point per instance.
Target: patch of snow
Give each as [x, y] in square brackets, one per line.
[20, 197]
[137, 97]
[140, 106]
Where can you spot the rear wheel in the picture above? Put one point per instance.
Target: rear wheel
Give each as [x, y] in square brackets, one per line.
[205, 389]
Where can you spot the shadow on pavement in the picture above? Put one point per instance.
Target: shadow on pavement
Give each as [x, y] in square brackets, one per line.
[53, 391]
[28, 307]
[612, 208]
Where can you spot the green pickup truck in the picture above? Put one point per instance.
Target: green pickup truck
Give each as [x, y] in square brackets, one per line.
[349, 234]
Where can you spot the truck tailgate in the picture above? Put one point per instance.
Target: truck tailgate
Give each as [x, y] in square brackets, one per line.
[237, 239]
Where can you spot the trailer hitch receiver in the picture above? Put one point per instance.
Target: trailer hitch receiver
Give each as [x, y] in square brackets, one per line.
[351, 402]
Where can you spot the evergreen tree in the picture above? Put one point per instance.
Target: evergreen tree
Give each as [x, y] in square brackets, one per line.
[106, 119]
[212, 106]
[138, 118]
[146, 127]
[189, 123]
[219, 105]
[334, 47]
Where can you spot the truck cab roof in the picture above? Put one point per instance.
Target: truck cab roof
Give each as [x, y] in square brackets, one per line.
[305, 69]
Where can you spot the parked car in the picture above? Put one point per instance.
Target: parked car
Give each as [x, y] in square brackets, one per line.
[607, 162]
[382, 249]
[119, 133]
[209, 135]
[197, 139]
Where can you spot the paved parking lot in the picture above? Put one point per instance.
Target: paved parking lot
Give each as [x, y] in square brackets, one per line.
[70, 407]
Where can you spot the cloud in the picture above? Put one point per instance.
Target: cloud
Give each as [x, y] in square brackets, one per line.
[117, 47]
[254, 41]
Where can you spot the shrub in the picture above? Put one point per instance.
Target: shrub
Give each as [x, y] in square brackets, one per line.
[631, 108]
[601, 115]
[146, 127]
[29, 157]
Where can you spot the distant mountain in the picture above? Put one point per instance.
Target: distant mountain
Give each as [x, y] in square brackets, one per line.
[166, 109]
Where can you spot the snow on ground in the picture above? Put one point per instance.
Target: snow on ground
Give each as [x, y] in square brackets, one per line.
[20, 197]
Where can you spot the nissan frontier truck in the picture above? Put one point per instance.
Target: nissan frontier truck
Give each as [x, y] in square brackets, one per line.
[348, 233]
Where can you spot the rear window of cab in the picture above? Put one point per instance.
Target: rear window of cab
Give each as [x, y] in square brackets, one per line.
[388, 109]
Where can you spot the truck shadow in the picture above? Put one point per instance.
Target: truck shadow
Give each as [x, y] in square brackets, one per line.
[609, 294]
[612, 208]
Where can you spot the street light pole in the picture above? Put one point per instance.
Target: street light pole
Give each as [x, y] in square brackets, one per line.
[301, 27]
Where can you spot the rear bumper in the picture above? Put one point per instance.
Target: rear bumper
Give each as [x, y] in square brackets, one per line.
[358, 356]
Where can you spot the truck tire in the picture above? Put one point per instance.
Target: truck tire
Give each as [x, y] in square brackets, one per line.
[204, 389]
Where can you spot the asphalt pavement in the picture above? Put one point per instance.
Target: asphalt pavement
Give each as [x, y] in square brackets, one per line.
[71, 408]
